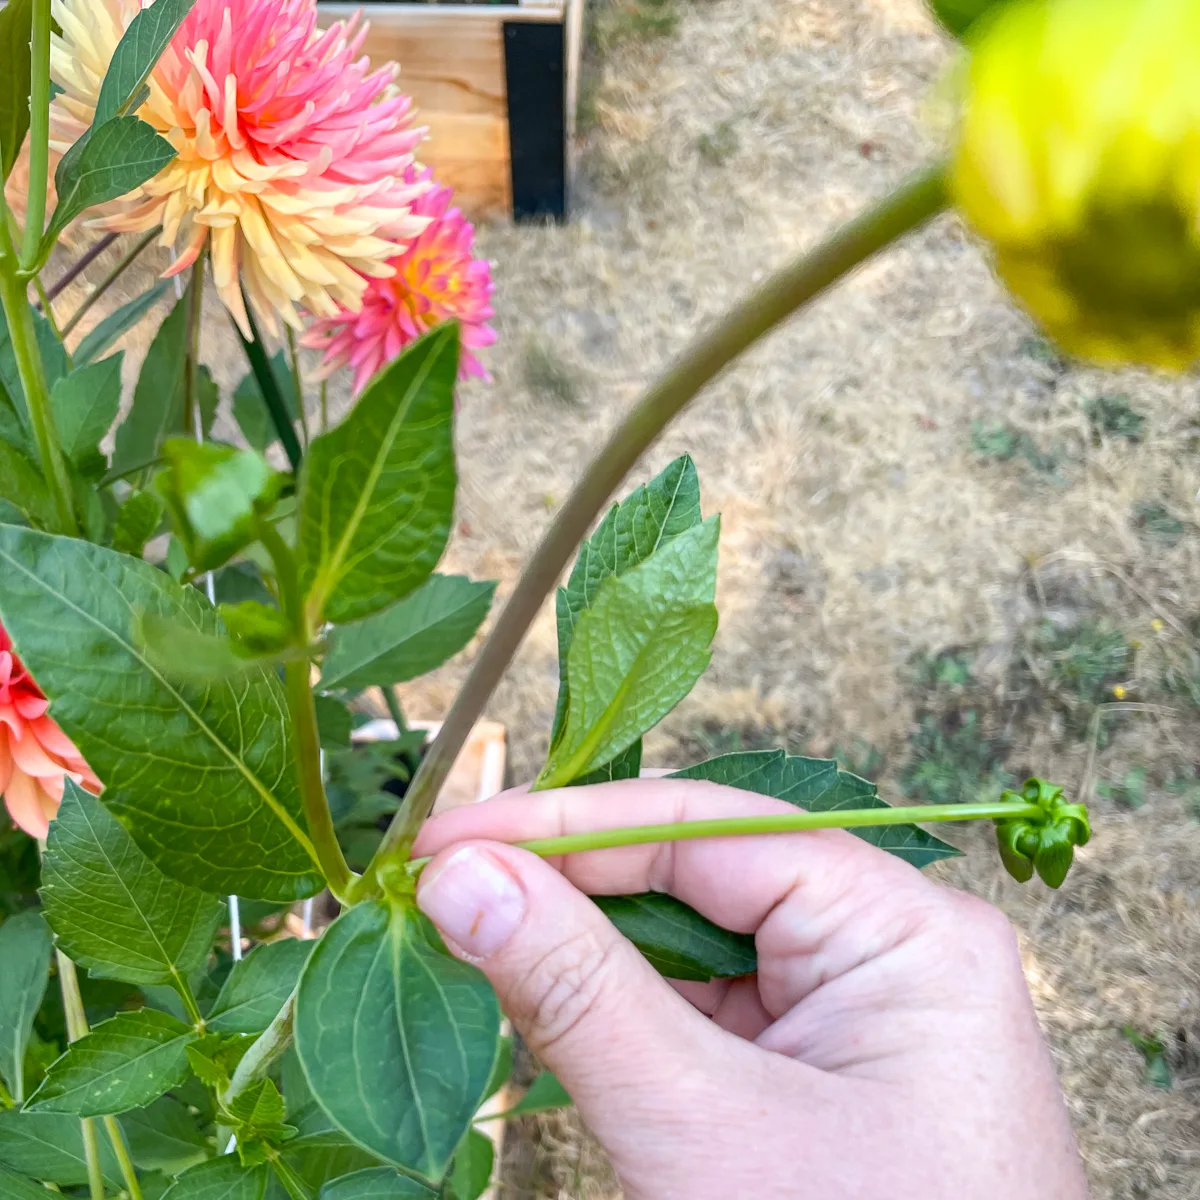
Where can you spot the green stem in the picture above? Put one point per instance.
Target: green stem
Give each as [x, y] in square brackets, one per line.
[121, 1150]
[324, 402]
[48, 310]
[192, 418]
[791, 822]
[118, 269]
[39, 134]
[23, 338]
[904, 210]
[303, 714]
[294, 362]
[188, 999]
[268, 385]
[77, 1027]
[394, 710]
[264, 1051]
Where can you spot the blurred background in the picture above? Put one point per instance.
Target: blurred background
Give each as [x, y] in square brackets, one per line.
[949, 556]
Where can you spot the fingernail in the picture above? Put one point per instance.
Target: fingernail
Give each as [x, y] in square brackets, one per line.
[474, 900]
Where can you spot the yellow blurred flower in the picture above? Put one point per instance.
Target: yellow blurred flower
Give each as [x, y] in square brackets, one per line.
[1079, 160]
[1119, 692]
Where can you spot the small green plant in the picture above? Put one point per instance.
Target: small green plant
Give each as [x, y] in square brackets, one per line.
[1128, 792]
[953, 761]
[1086, 663]
[622, 22]
[719, 145]
[999, 441]
[1156, 522]
[547, 376]
[1156, 1070]
[1114, 416]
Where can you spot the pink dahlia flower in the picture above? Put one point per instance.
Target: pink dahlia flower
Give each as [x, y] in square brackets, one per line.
[291, 151]
[35, 755]
[435, 279]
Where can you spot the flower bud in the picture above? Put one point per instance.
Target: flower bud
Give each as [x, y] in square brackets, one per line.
[1079, 160]
[1045, 843]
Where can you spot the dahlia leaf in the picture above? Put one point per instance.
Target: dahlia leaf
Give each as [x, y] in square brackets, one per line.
[377, 492]
[22, 486]
[49, 1147]
[636, 652]
[376, 1183]
[676, 940]
[112, 910]
[118, 323]
[16, 30]
[411, 637]
[471, 1171]
[254, 991]
[164, 1136]
[19, 1187]
[85, 404]
[109, 161]
[138, 520]
[250, 408]
[404, 1068]
[818, 785]
[328, 1154]
[630, 532]
[221, 1179]
[54, 362]
[202, 775]
[544, 1094]
[25, 946]
[125, 1062]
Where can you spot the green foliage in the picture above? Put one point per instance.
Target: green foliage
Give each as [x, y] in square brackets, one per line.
[471, 1171]
[411, 637]
[110, 160]
[16, 27]
[110, 907]
[1085, 663]
[719, 145]
[221, 1179]
[117, 323]
[124, 1063]
[635, 652]
[138, 520]
[403, 1069]
[49, 1146]
[85, 404]
[547, 376]
[1002, 442]
[962, 17]
[1158, 523]
[630, 21]
[141, 45]
[250, 409]
[164, 1136]
[377, 492]
[254, 991]
[25, 947]
[376, 1183]
[19, 1187]
[22, 487]
[1157, 1070]
[1129, 792]
[544, 1094]
[1113, 416]
[184, 765]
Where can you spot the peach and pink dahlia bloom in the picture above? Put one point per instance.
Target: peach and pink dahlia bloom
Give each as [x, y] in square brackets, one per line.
[36, 757]
[436, 279]
[291, 150]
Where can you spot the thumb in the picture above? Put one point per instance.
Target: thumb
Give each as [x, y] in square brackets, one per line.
[583, 998]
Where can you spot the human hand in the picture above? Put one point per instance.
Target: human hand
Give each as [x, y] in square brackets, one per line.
[887, 1047]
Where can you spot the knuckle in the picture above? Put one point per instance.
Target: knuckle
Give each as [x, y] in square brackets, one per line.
[563, 989]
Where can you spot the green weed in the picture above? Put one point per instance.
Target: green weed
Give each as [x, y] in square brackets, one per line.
[952, 761]
[720, 145]
[1158, 523]
[1156, 1069]
[625, 21]
[1115, 417]
[547, 376]
[1130, 792]
[1001, 442]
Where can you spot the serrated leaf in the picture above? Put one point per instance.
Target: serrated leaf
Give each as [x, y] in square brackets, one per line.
[49, 1146]
[636, 652]
[25, 946]
[16, 31]
[117, 323]
[201, 775]
[112, 910]
[259, 1109]
[471, 1171]
[377, 491]
[138, 520]
[816, 784]
[85, 404]
[111, 160]
[22, 486]
[158, 396]
[220, 1179]
[184, 654]
[403, 1069]
[164, 1137]
[411, 637]
[376, 1183]
[140, 47]
[254, 991]
[319, 1157]
[125, 1062]
[250, 409]
[544, 1094]
[676, 940]
[627, 765]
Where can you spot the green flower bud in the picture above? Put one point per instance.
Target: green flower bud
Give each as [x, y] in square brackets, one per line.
[1079, 160]
[1045, 843]
[1015, 852]
[1055, 853]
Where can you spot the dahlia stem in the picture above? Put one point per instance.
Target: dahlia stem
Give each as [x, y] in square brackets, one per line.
[294, 363]
[193, 419]
[791, 822]
[23, 336]
[904, 210]
[113, 275]
[77, 1027]
[39, 135]
[121, 1150]
[263, 1052]
[268, 385]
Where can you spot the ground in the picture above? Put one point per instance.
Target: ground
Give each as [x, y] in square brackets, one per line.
[947, 555]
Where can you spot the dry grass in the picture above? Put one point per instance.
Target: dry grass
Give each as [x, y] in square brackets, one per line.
[861, 529]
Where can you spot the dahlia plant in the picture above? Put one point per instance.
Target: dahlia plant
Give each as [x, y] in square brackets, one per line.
[187, 625]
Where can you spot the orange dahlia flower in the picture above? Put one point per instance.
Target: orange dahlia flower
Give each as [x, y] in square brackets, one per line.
[35, 755]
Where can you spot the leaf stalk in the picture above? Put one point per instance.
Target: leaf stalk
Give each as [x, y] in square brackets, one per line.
[39, 136]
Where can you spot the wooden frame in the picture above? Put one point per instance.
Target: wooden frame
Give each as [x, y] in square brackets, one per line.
[496, 85]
